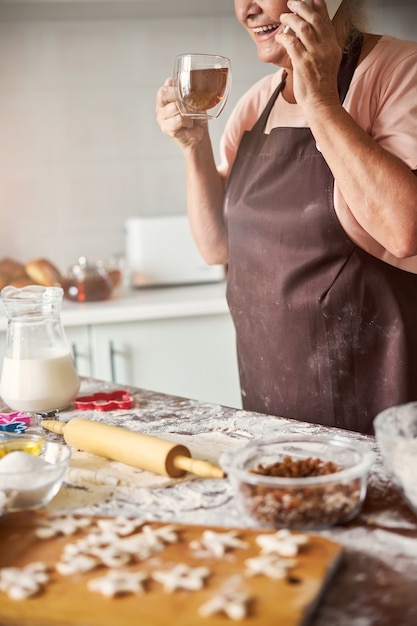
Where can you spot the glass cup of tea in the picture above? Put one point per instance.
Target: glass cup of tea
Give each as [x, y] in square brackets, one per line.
[202, 84]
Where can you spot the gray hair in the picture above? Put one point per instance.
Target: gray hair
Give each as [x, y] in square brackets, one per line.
[354, 11]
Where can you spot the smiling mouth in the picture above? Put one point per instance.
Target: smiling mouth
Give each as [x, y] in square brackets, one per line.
[266, 29]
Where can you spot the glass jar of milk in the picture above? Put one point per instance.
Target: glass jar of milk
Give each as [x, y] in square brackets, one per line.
[38, 372]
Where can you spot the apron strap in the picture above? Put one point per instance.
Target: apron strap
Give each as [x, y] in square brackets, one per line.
[262, 120]
[347, 68]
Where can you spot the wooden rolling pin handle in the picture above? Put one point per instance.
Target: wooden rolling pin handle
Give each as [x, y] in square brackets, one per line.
[55, 426]
[198, 467]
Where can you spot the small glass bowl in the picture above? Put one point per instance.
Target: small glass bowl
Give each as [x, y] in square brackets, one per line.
[311, 502]
[30, 442]
[32, 480]
[396, 435]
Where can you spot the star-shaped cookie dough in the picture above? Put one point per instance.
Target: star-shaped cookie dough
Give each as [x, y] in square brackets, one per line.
[270, 565]
[120, 525]
[233, 604]
[23, 582]
[284, 543]
[217, 544]
[181, 577]
[61, 525]
[116, 583]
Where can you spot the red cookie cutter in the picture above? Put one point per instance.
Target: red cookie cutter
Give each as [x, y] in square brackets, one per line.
[105, 401]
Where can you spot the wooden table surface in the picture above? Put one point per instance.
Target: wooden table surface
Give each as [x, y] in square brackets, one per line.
[376, 583]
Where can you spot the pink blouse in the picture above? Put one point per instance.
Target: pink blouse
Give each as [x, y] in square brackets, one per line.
[382, 99]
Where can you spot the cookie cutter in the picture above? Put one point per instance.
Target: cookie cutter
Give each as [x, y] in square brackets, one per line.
[16, 422]
[105, 401]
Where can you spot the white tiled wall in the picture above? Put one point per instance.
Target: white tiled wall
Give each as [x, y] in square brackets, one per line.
[80, 150]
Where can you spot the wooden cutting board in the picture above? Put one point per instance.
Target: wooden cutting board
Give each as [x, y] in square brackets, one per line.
[66, 601]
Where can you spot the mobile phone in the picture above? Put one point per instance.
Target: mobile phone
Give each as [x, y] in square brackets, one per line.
[332, 7]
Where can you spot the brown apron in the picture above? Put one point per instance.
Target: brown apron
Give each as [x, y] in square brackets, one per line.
[326, 333]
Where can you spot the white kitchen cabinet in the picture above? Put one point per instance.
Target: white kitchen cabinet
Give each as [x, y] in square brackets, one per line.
[193, 356]
[81, 347]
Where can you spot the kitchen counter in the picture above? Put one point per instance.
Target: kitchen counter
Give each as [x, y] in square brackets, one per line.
[376, 582]
[150, 303]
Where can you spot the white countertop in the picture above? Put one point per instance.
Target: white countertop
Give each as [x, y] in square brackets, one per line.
[129, 305]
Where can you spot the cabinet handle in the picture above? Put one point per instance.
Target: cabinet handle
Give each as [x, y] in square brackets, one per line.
[82, 362]
[112, 352]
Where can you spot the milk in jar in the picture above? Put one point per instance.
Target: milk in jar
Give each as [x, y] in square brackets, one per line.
[38, 372]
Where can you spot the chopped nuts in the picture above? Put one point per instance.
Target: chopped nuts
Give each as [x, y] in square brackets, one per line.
[301, 506]
[302, 468]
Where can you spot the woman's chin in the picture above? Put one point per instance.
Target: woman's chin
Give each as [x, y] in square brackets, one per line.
[269, 51]
[274, 56]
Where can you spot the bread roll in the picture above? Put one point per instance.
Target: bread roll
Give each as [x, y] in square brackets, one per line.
[43, 272]
[4, 280]
[21, 281]
[11, 268]
[13, 273]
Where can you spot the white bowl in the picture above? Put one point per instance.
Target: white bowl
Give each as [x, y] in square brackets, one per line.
[29, 481]
[299, 501]
[396, 435]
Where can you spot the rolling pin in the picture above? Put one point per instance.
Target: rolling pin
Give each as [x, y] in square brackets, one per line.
[126, 446]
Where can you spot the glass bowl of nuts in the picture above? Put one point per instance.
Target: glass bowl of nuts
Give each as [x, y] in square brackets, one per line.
[299, 482]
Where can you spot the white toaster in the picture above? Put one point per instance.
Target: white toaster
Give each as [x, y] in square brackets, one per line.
[160, 251]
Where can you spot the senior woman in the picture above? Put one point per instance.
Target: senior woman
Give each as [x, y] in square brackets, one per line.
[314, 210]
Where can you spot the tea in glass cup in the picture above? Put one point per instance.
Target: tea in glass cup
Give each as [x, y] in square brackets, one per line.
[202, 84]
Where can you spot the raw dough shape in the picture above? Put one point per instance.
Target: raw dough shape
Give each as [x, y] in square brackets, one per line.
[283, 543]
[182, 577]
[22, 582]
[61, 525]
[218, 543]
[270, 565]
[120, 525]
[116, 583]
[233, 604]
[76, 564]
[105, 547]
[166, 534]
